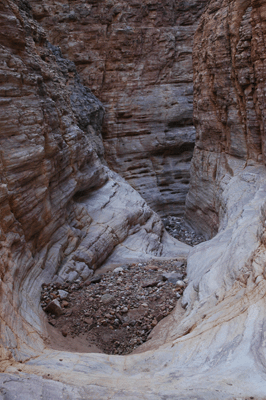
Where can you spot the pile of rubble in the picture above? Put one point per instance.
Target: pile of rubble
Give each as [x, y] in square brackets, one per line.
[177, 228]
[117, 310]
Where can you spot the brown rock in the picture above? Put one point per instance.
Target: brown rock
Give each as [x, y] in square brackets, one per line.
[141, 69]
[225, 97]
[54, 308]
[88, 321]
[151, 268]
[150, 283]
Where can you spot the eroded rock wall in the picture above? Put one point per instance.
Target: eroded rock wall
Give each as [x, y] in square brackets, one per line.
[136, 56]
[216, 349]
[229, 103]
[63, 212]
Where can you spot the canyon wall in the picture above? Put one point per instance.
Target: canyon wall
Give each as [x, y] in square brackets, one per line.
[229, 109]
[63, 212]
[136, 57]
[216, 349]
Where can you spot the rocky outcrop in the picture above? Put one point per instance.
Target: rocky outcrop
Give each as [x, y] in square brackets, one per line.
[136, 56]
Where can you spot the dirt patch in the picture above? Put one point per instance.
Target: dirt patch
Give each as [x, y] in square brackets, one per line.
[114, 313]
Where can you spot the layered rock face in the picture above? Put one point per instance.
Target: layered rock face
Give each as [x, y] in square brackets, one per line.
[136, 56]
[228, 104]
[216, 349]
[63, 212]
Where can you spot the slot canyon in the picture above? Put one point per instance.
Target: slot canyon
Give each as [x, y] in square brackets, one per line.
[119, 121]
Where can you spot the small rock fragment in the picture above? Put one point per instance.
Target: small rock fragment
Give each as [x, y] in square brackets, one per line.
[150, 283]
[88, 321]
[180, 284]
[62, 294]
[117, 270]
[96, 279]
[151, 268]
[171, 276]
[54, 307]
[106, 298]
[144, 305]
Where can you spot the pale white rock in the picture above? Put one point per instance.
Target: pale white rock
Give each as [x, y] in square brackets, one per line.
[180, 284]
[117, 270]
[62, 294]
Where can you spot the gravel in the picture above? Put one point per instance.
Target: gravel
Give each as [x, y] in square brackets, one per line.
[118, 310]
[177, 228]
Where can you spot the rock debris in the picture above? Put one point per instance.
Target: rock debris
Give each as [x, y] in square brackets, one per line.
[177, 228]
[117, 310]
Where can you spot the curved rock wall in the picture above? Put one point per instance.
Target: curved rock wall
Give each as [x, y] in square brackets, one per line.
[216, 349]
[228, 103]
[136, 56]
[63, 212]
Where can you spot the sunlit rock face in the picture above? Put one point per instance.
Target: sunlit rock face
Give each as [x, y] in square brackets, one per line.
[136, 56]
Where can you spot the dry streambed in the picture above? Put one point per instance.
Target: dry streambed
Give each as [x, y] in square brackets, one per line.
[117, 310]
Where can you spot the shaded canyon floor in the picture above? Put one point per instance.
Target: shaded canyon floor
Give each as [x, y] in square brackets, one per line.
[115, 312]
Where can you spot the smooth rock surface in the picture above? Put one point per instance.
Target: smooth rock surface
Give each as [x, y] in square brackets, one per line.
[136, 56]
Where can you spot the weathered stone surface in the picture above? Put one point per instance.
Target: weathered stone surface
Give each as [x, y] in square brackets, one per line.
[63, 294]
[63, 212]
[171, 276]
[228, 104]
[54, 307]
[136, 56]
[216, 348]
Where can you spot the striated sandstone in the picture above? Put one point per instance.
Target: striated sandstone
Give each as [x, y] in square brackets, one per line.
[63, 212]
[216, 349]
[136, 56]
[228, 104]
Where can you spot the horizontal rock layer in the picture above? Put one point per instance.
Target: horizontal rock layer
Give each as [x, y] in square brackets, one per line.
[63, 212]
[229, 103]
[216, 349]
[136, 56]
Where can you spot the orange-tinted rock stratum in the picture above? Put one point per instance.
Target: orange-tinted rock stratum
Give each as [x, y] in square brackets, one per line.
[64, 213]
